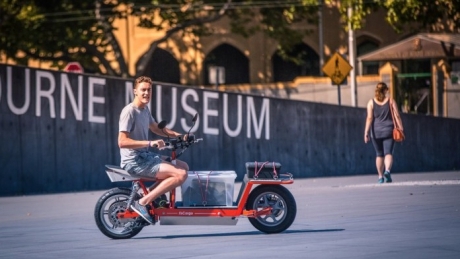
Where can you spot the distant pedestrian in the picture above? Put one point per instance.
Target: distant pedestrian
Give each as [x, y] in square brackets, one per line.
[379, 129]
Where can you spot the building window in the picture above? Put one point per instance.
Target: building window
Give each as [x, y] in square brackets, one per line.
[163, 67]
[369, 67]
[234, 63]
[287, 70]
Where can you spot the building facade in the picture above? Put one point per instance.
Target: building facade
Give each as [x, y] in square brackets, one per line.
[252, 60]
[231, 62]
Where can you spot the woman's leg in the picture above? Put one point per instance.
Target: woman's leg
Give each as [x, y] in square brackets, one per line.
[388, 162]
[379, 164]
[379, 160]
[388, 147]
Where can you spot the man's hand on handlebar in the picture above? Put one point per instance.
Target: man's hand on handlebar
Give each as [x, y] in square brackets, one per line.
[159, 143]
[175, 143]
[189, 137]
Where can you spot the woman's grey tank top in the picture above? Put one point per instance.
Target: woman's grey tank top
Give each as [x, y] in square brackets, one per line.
[382, 124]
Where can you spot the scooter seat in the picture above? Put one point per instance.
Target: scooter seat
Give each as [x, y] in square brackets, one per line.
[118, 174]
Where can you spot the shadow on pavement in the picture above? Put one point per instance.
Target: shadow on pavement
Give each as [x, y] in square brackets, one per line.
[249, 233]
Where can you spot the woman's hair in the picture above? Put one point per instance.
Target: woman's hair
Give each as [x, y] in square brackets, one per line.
[380, 91]
[142, 79]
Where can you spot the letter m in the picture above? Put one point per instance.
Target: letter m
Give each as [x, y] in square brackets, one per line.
[258, 122]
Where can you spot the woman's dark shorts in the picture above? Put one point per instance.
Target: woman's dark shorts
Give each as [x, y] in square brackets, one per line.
[383, 146]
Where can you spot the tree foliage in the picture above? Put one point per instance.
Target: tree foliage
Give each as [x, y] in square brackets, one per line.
[275, 18]
[420, 15]
[432, 16]
[82, 30]
[60, 31]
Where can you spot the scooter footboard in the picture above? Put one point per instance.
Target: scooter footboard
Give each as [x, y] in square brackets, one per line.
[175, 220]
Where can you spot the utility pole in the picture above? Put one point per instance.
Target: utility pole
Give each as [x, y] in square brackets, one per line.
[320, 33]
[352, 58]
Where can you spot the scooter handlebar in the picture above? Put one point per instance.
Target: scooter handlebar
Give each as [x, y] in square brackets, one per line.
[180, 143]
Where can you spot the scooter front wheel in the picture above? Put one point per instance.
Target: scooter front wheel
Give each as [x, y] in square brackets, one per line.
[282, 204]
[111, 203]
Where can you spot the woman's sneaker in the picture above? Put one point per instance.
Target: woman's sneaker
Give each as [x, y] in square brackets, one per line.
[387, 177]
[142, 211]
[381, 180]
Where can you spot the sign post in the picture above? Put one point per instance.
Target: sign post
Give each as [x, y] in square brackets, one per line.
[337, 68]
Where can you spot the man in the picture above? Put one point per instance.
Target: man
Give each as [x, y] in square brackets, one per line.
[135, 147]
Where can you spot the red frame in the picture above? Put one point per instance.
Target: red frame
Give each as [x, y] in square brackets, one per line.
[208, 211]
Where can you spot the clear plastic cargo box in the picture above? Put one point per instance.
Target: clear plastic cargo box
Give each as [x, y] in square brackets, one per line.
[208, 188]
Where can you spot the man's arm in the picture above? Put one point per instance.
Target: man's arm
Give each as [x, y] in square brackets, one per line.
[124, 141]
[161, 132]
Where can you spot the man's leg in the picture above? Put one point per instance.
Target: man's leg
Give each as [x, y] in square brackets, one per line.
[182, 164]
[179, 163]
[170, 177]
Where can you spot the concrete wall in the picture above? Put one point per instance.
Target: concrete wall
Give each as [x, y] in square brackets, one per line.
[58, 130]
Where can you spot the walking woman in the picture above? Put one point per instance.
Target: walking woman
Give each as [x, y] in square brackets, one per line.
[379, 129]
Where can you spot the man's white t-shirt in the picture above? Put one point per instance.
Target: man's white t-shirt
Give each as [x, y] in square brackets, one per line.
[136, 122]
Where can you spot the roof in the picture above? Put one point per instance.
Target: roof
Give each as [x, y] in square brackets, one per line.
[423, 45]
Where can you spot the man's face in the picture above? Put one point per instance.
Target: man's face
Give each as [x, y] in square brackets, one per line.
[143, 92]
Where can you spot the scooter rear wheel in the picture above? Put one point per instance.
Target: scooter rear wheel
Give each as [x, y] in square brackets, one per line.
[107, 207]
[283, 208]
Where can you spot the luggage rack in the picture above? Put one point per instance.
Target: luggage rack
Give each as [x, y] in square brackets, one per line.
[282, 178]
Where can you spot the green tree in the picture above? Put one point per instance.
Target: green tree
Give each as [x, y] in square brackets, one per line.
[416, 15]
[82, 30]
[431, 16]
[60, 31]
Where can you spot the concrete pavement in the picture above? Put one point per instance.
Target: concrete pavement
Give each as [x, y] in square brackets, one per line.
[417, 216]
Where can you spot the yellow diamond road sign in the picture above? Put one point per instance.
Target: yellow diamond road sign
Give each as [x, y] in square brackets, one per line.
[337, 68]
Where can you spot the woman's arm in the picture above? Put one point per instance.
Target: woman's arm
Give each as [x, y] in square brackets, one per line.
[397, 118]
[369, 118]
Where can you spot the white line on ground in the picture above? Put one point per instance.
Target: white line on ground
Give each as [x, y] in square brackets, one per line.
[412, 183]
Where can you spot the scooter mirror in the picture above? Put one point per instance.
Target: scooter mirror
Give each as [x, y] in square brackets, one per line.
[195, 117]
[162, 124]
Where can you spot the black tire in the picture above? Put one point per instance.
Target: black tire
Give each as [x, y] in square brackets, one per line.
[107, 207]
[283, 205]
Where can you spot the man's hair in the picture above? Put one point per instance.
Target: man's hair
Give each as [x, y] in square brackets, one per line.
[142, 79]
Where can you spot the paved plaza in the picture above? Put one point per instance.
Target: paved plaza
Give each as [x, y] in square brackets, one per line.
[417, 216]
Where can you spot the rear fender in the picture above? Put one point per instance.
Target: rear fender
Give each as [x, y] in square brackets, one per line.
[117, 174]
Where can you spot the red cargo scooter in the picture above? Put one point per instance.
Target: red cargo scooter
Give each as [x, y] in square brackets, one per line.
[268, 205]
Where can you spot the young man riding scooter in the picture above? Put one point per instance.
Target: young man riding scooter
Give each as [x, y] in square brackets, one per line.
[137, 156]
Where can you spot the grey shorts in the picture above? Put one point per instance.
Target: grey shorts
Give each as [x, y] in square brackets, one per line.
[145, 164]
